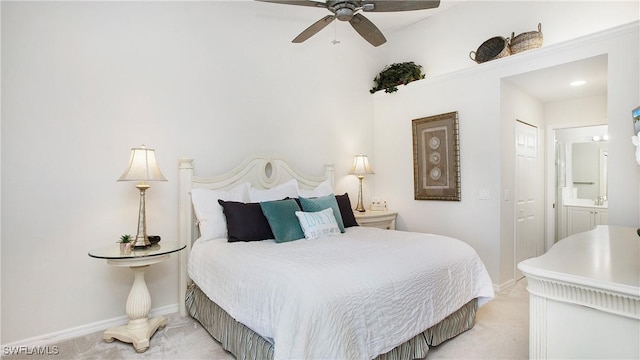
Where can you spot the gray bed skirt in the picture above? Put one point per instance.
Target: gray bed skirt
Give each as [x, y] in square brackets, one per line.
[245, 344]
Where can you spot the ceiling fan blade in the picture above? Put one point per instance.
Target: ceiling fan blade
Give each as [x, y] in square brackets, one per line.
[367, 30]
[400, 5]
[321, 4]
[313, 29]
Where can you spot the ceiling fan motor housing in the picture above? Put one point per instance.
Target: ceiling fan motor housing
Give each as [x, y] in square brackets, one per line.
[344, 10]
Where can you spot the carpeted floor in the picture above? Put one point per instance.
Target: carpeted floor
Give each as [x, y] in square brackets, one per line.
[501, 332]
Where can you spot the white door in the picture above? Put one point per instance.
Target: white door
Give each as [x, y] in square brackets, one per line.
[529, 239]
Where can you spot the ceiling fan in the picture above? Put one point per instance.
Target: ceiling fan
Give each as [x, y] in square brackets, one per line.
[349, 10]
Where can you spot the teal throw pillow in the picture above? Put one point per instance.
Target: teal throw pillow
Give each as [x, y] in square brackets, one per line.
[281, 215]
[321, 203]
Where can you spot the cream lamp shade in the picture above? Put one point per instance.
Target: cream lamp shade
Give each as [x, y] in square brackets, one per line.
[360, 168]
[142, 167]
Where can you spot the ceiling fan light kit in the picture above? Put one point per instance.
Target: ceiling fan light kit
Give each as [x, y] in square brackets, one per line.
[349, 10]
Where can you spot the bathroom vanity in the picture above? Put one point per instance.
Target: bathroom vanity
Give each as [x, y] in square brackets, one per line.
[584, 215]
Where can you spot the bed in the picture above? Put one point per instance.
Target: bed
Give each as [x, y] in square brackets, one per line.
[339, 292]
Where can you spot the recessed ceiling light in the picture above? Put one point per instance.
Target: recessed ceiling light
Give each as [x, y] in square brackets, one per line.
[577, 83]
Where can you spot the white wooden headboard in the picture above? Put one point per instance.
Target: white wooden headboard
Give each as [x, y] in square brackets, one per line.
[262, 171]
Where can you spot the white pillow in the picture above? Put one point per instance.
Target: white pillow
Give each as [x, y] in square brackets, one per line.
[318, 224]
[324, 189]
[286, 189]
[211, 220]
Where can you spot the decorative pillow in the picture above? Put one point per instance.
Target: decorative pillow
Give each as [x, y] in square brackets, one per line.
[284, 190]
[281, 216]
[245, 221]
[321, 203]
[211, 221]
[323, 189]
[318, 224]
[348, 219]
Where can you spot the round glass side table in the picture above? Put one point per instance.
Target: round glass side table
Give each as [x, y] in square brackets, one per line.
[140, 328]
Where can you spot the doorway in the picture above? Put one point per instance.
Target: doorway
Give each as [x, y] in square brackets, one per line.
[547, 100]
[581, 189]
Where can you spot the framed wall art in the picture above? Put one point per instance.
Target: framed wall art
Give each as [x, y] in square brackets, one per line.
[436, 157]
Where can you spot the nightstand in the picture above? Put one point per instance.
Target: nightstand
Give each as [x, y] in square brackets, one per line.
[385, 219]
[140, 328]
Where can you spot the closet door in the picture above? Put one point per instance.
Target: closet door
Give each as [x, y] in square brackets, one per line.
[529, 235]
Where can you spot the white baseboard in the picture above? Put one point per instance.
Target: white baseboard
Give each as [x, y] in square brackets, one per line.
[54, 337]
[505, 285]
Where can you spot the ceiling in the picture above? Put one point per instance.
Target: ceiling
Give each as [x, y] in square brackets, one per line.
[552, 84]
[389, 21]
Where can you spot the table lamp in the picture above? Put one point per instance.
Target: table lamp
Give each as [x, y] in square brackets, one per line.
[142, 167]
[360, 168]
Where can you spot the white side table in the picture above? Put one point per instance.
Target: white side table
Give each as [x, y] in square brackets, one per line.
[140, 328]
[384, 219]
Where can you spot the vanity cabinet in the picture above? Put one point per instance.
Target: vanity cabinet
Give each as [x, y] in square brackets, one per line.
[581, 218]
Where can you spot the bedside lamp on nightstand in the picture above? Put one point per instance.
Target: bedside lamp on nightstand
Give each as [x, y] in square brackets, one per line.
[142, 167]
[360, 168]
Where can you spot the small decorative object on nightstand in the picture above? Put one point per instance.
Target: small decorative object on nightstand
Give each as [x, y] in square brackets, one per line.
[381, 219]
[125, 244]
[140, 328]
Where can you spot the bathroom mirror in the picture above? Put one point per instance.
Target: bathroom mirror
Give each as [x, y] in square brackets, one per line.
[589, 169]
[582, 161]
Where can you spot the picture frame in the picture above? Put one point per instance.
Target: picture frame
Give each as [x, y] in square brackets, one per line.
[436, 157]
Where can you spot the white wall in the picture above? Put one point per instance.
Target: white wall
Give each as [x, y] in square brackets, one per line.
[577, 112]
[83, 82]
[486, 131]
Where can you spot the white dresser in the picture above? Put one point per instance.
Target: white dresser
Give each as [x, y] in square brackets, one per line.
[585, 296]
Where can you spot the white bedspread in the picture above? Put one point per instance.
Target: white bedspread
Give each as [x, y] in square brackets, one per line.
[351, 296]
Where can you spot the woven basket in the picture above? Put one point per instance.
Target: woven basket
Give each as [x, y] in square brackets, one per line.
[526, 41]
[492, 49]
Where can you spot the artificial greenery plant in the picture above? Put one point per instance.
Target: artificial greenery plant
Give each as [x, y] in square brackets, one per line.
[397, 74]
[125, 238]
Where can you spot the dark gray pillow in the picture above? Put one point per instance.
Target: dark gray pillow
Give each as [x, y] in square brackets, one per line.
[245, 221]
[348, 219]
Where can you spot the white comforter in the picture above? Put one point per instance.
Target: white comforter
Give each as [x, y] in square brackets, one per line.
[352, 296]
